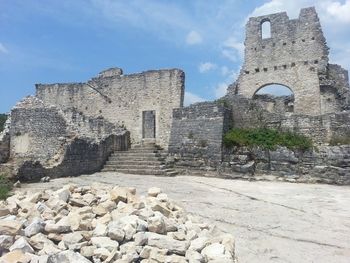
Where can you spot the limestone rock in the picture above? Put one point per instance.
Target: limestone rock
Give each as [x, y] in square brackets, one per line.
[23, 245]
[156, 224]
[10, 227]
[16, 256]
[105, 242]
[35, 227]
[165, 242]
[154, 191]
[6, 241]
[118, 194]
[67, 256]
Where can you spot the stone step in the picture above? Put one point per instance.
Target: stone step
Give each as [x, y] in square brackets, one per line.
[136, 154]
[132, 167]
[132, 162]
[135, 171]
[135, 159]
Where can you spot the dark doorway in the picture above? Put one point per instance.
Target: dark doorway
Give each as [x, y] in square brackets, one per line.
[149, 124]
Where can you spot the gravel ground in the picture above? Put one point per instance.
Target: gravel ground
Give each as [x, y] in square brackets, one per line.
[271, 221]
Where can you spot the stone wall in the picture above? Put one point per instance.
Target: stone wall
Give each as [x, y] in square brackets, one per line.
[122, 99]
[296, 56]
[196, 135]
[325, 164]
[5, 142]
[48, 141]
[248, 113]
[81, 156]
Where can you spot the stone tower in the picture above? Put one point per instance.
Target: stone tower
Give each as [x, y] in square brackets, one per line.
[295, 55]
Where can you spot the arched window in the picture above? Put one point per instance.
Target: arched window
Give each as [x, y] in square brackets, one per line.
[266, 29]
[275, 98]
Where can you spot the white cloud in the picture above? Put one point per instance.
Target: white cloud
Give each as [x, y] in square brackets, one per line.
[207, 66]
[339, 11]
[220, 90]
[191, 98]
[193, 38]
[3, 49]
[233, 49]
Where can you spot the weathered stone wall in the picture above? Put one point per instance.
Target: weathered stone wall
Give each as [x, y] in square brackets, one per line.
[247, 113]
[296, 56]
[81, 156]
[196, 135]
[47, 141]
[5, 142]
[121, 99]
[326, 164]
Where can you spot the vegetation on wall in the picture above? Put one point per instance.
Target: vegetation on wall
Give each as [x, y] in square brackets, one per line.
[266, 138]
[3, 118]
[5, 187]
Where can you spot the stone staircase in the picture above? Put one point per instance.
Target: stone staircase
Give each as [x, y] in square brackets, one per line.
[145, 160]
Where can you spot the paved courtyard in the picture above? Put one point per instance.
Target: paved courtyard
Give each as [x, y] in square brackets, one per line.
[271, 221]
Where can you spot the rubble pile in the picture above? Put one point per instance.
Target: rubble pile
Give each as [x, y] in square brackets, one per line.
[103, 223]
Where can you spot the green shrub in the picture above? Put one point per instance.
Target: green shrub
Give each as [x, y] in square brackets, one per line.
[266, 138]
[3, 118]
[5, 187]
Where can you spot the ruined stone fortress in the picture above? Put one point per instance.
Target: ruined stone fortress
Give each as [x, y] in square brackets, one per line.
[137, 123]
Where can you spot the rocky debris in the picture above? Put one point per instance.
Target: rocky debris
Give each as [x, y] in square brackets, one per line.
[102, 223]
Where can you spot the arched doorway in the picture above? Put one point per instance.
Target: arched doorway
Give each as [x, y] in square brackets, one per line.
[276, 98]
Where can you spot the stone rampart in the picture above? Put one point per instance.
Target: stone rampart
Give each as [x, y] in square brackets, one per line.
[122, 99]
[196, 135]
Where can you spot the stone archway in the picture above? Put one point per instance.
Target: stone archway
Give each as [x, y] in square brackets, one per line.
[275, 98]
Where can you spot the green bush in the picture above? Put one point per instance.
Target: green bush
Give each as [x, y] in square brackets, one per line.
[5, 187]
[266, 138]
[3, 118]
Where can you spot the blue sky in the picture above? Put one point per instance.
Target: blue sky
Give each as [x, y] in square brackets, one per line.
[48, 41]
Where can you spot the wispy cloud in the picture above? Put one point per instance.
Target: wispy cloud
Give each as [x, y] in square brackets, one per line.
[193, 38]
[233, 49]
[206, 66]
[3, 49]
[191, 98]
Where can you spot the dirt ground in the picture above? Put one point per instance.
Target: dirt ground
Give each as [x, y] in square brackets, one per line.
[271, 221]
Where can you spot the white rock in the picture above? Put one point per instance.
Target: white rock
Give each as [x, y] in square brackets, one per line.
[214, 251]
[10, 227]
[100, 230]
[105, 242]
[63, 195]
[87, 251]
[67, 256]
[199, 243]
[115, 231]
[6, 241]
[154, 191]
[49, 249]
[156, 224]
[166, 242]
[72, 238]
[194, 256]
[35, 227]
[23, 245]
[102, 253]
[118, 194]
[39, 240]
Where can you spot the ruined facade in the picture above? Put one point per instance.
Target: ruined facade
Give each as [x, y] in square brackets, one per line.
[142, 103]
[73, 128]
[294, 55]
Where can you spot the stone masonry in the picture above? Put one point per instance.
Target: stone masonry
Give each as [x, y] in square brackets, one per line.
[123, 99]
[295, 56]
